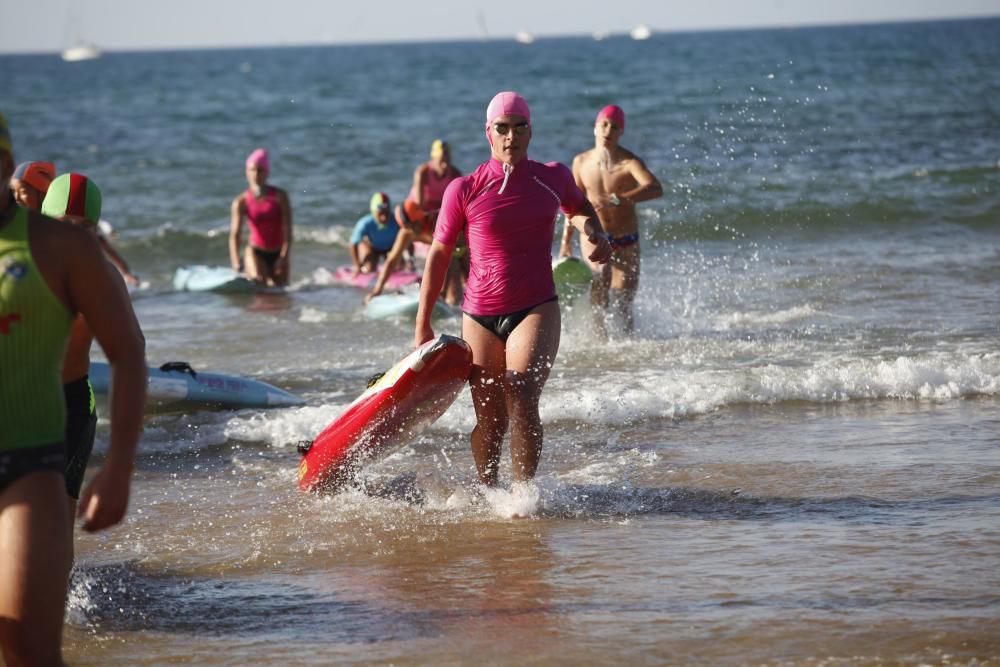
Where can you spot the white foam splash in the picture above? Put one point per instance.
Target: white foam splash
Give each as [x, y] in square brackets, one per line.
[622, 396]
[313, 315]
[332, 235]
[284, 428]
[523, 500]
[751, 318]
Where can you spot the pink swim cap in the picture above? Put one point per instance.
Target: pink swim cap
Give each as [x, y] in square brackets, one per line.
[507, 103]
[613, 113]
[259, 159]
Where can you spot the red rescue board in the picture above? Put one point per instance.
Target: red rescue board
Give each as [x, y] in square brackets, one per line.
[408, 398]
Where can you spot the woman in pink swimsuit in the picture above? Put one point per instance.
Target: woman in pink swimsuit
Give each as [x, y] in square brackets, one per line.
[432, 177]
[507, 209]
[268, 214]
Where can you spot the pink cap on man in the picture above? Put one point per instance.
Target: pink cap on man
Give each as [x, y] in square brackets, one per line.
[507, 103]
[259, 159]
[613, 113]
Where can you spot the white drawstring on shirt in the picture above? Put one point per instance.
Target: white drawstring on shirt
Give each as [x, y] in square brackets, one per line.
[508, 169]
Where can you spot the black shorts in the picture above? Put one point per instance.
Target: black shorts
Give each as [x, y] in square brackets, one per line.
[15, 465]
[81, 424]
[502, 326]
[268, 257]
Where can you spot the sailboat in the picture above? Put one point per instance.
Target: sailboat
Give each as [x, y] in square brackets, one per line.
[82, 51]
[73, 30]
[641, 32]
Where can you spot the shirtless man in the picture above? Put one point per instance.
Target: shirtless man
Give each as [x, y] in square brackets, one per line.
[614, 180]
[51, 271]
[76, 199]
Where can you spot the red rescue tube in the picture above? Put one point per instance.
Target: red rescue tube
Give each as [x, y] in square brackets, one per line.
[408, 398]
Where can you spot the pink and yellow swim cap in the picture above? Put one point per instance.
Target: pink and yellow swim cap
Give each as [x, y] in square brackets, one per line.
[259, 159]
[613, 113]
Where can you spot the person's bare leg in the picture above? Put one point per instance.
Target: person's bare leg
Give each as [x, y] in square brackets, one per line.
[34, 569]
[625, 284]
[71, 508]
[487, 384]
[531, 351]
[251, 267]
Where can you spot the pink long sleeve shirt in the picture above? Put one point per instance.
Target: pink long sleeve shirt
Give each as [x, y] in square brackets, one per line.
[509, 223]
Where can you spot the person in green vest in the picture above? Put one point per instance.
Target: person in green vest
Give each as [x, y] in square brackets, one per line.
[51, 271]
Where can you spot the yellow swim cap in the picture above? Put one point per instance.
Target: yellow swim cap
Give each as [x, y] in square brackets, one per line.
[378, 202]
[439, 148]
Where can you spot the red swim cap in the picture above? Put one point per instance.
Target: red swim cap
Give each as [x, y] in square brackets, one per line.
[410, 212]
[38, 175]
[613, 113]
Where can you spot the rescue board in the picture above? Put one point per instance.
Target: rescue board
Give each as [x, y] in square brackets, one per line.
[392, 411]
[199, 278]
[572, 277]
[344, 275]
[177, 383]
[403, 305]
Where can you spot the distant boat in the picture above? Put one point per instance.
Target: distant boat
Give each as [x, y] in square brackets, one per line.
[600, 36]
[81, 51]
[524, 37]
[641, 32]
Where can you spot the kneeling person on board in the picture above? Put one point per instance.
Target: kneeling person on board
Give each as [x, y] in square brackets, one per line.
[417, 225]
[51, 273]
[511, 316]
[373, 235]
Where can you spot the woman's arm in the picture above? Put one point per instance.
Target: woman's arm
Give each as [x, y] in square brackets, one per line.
[235, 225]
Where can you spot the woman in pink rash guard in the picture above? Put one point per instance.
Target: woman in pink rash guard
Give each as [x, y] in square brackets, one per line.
[507, 209]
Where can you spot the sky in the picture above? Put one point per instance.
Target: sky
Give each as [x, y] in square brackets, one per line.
[116, 25]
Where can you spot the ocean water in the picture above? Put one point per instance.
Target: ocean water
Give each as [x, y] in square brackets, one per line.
[796, 460]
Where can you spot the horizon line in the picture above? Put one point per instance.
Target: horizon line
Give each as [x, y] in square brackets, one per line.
[500, 39]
